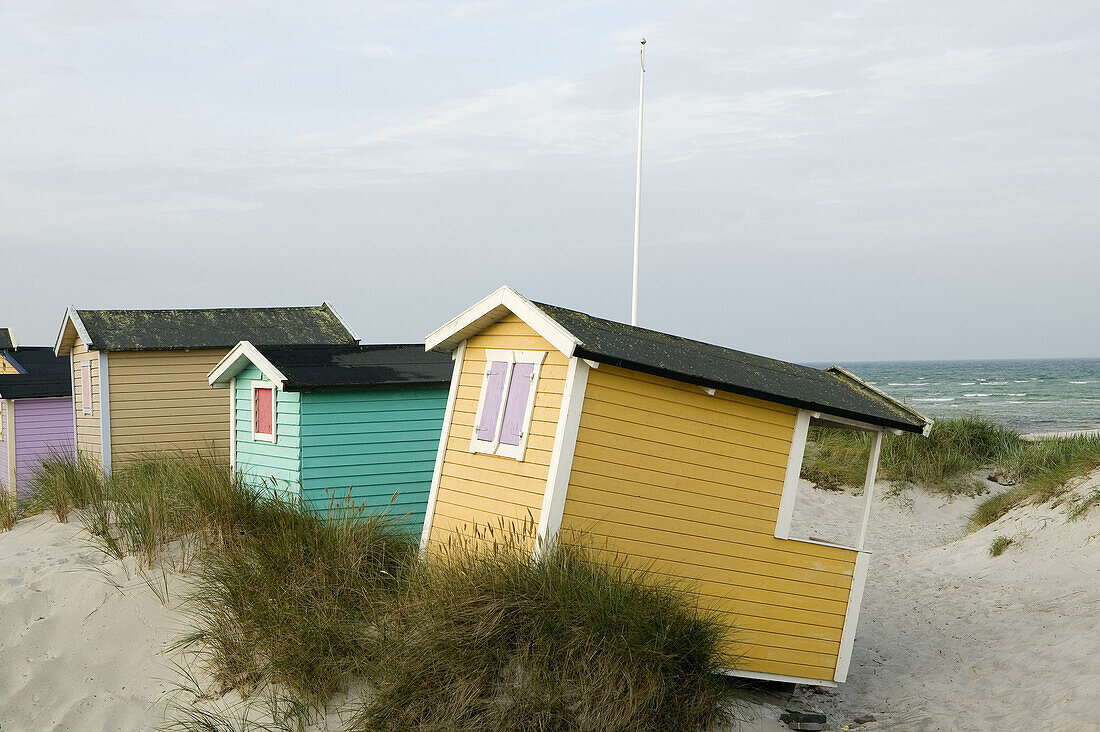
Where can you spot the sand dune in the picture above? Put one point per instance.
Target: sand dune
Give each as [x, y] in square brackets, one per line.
[949, 637]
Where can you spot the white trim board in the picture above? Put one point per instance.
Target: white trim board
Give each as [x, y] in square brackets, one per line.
[851, 616]
[561, 459]
[763, 676]
[490, 310]
[790, 478]
[233, 423]
[237, 360]
[9, 436]
[429, 513]
[343, 322]
[104, 413]
[71, 315]
[72, 391]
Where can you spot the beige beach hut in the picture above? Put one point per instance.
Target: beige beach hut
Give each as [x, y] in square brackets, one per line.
[139, 376]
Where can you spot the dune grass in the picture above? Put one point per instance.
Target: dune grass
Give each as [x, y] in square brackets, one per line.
[944, 461]
[947, 460]
[7, 510]
[492, 640]
[291, 605]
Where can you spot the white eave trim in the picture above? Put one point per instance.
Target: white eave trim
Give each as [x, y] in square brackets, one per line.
[237, 360]
[849, 375]
[490, 310]
[11, 337]
[343, 322]
[71, 315]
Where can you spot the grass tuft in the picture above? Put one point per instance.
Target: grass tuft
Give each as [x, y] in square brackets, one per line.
[8, 513]
[63, 482]
[491, 639]
[997, 548]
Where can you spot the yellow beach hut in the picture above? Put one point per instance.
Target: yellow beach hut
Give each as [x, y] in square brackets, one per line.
[682, 454]
[139, 376]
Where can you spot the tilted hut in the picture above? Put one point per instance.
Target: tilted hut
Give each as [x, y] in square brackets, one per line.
[681, 454]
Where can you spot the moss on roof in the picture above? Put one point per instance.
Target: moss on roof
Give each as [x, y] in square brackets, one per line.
[169, 330]
[705, 364]
[6, 341]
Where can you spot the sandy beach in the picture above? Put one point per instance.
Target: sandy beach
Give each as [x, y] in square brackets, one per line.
[949, 637]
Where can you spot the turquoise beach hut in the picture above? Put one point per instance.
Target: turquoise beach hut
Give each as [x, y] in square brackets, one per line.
[327, 423]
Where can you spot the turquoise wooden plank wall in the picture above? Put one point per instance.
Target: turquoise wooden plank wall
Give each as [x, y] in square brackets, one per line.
[263, 463]
[371, 444]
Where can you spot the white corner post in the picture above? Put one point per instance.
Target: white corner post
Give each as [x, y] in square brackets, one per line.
[638, 192]
[869, 489]
[104, 413]
[851, 616]
[9, 436]
[233, 423]
[790, 478]
[437, 474]
[561, 459]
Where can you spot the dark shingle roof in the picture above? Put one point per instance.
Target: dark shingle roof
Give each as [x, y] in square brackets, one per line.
[46, 375]
[315, 368]
[6, 341]
[169, 330]
[695, 362]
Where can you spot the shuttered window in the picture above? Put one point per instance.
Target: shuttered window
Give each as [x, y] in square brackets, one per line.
[506, 402]
[86, 387]
[263, 412]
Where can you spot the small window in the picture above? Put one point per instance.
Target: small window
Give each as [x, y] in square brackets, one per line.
[263, 411]
[503, 418]
[86, 387]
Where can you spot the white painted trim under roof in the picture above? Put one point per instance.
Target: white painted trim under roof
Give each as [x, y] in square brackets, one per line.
[565, 443]
[71, 315]
[343, 322]
[849, 375]
[236, 361]
[851, 616]
[458, 355]
[104, 414]
[491, 309]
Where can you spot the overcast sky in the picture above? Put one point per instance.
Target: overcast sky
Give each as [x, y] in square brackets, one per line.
[822, 181]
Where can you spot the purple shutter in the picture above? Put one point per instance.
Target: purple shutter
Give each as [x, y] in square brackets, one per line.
[516, 408]
[490, 400]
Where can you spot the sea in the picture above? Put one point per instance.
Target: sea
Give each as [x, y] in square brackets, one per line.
[1032, 396]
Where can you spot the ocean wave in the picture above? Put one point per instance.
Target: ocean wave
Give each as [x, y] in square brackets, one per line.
[1082, 382]
[935, 399]
[993, 383]
[919, 383]
[967, 383]
[975, 395]
[1024, 381]
[1013, 394]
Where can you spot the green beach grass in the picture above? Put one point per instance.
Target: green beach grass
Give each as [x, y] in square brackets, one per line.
[946, 462]
[289, 608]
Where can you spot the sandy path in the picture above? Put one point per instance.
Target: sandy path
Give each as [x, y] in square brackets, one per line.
[75, 652]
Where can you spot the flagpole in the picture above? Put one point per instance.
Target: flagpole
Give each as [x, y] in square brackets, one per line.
[638, 192]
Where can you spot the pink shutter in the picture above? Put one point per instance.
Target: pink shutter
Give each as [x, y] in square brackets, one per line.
[490, 400]
[263, 412]
[515, 409]
[86, 387]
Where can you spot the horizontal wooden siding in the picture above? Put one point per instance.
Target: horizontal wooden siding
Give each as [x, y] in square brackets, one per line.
[480, 492]
[88, 436]
[376, 447]
[690, 483]
[161, 401]
[265, 464]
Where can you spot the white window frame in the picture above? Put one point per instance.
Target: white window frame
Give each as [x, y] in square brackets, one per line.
[496, 447]
[794, 472]
[260, 436]
[86, 406]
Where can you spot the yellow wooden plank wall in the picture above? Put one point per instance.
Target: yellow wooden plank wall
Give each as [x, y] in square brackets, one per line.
[87, 425]
[161, 400]
[7, 368]
[690, 484]
[478, 491]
